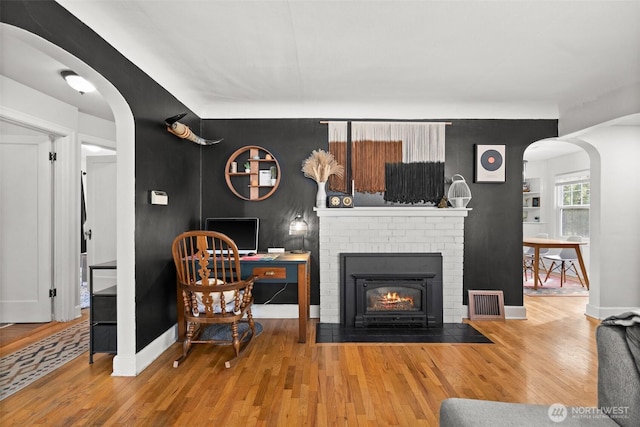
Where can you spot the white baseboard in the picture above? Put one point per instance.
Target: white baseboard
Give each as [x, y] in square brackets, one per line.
[511, 312]
[603, 312]
[130, 366]
[124, 366]
[515, 312]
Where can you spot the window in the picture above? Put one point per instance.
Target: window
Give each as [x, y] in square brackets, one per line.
[574, 199]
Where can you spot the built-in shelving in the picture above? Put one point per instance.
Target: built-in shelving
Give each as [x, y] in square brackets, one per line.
[259, 180]
[531, 197]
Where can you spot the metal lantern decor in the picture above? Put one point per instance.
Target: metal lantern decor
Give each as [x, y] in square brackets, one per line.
[459, 194]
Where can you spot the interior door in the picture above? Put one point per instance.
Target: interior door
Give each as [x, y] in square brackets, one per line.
[100, 228]
[25, 227]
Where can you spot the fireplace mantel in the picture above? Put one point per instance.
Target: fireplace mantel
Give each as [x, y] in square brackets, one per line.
[382, 211]
[391, 229]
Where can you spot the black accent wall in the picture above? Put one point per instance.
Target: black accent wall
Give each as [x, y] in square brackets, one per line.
[493, 229]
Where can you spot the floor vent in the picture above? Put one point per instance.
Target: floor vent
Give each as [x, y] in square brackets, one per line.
[486, 305]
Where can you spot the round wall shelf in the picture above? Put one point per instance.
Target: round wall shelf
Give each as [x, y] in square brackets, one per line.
[256, 182]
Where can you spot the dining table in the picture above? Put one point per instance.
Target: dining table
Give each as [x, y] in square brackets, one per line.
[538, 243]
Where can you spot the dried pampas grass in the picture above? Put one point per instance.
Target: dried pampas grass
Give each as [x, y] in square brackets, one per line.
[320, 165]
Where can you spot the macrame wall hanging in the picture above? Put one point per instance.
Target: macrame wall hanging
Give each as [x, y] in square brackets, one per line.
[402, 161]
[338, 147]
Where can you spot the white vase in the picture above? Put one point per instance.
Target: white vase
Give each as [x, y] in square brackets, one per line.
[321, 196]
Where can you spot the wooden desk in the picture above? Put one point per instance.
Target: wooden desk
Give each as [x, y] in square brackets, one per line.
[286, 268]
[537, 243]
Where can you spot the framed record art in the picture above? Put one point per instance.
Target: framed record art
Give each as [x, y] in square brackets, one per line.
[490, 163]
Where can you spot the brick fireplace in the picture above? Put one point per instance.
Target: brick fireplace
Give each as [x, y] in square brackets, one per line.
[391, 230]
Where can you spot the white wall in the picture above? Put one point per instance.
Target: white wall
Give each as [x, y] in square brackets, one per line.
[100, 129]
[619, 251]
[26, 105]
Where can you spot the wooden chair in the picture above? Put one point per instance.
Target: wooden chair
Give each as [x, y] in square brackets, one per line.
[213, 293]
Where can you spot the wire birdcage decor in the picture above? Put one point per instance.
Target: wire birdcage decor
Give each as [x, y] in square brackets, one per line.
[459, 193]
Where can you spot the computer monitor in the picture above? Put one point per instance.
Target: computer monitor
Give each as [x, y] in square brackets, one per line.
[243, 231]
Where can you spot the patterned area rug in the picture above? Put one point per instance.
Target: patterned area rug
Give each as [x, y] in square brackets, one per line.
[84, 295]
[19, 369]
[552, 289]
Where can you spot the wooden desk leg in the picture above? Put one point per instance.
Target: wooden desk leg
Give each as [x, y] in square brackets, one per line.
[582, 267]
[303, 298]
[536, 262]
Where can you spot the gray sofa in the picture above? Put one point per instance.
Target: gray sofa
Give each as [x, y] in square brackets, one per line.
[618, 390]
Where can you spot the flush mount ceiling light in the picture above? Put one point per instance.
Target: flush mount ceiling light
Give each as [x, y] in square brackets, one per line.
[76, 82]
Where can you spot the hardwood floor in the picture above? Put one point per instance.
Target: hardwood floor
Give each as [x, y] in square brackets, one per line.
[16, 336]
[549, 358]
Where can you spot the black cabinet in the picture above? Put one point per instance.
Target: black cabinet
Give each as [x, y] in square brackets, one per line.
[103, 337]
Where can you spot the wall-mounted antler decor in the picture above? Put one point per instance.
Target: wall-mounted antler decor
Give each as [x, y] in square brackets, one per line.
[183, 131]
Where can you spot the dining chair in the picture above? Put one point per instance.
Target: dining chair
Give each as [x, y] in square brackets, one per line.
[565, 261]
[528, 258]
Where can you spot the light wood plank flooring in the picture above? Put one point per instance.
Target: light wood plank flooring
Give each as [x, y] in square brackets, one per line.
[551, 357]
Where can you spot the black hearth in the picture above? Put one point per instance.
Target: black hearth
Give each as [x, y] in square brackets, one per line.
[399, 290]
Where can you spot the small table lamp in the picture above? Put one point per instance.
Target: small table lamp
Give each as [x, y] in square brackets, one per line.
[298, 227]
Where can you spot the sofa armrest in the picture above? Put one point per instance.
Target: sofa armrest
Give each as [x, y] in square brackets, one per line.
[455, 412]
[618, 376]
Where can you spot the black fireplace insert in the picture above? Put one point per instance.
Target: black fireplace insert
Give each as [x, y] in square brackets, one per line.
[391, 290]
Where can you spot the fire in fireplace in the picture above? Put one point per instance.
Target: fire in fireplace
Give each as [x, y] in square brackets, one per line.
[396, 299]
[387, 300]
[399, 290]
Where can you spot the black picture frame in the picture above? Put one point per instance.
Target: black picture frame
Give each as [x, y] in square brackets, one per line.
[535, 202]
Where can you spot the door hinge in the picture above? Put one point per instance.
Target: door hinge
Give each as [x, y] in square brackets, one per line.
[53, 293]
[53, 156]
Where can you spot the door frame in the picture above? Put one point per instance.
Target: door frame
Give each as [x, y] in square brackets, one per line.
[98, 210]
[66, 213]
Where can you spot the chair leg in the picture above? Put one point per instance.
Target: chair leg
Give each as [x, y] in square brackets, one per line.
[525, 269]
[192, 330]
[563, 273]
[553, 263]
[252, 324]
[236, 340]
[544, 267]
[186, 346]
[575, 270]
[237, 346]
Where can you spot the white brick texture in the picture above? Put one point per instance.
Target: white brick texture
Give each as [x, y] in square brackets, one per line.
[389, 230]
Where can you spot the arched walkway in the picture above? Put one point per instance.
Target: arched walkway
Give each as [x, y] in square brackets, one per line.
[125, 361]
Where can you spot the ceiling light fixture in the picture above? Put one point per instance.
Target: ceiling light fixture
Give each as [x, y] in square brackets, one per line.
[76, 82]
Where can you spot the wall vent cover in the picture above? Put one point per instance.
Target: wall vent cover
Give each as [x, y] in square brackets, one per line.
[486, 305]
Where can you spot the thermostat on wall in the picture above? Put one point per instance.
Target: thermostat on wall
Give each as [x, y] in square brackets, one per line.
[159, 197]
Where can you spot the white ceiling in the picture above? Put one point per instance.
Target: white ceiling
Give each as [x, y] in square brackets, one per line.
[370, 59]
[391, 59]
[27, 64]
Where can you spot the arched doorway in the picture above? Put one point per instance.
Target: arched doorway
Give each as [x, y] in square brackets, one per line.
[67, 263]
[547, 166]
